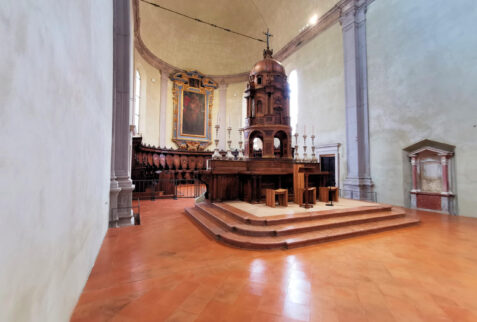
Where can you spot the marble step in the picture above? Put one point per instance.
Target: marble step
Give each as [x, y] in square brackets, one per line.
[295, 240]
[231, 224]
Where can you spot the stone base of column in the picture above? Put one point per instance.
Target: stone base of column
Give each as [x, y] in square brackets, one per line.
[122, 214]
[447, 204]
[413, 200]
[359, 189]
[113, 203]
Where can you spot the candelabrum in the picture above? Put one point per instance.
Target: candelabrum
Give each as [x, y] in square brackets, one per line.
[229, 155]
[297, 155]
[305, 156]
[216, 155]
[313, 155]
[240, 154]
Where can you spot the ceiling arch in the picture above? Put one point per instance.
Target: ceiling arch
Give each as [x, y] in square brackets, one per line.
[186, 44]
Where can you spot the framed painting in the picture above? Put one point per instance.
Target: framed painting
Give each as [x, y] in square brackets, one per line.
[193, 95]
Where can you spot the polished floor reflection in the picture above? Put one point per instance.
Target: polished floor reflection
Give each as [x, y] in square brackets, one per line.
[169, 270]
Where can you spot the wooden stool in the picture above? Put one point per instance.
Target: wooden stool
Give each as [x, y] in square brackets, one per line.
[282, 197]
[311, 195]
[325, 193]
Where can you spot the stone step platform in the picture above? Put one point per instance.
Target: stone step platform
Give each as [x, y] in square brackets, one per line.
[238, 228]
[248, 218]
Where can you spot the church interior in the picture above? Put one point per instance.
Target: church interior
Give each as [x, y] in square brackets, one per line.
[257, 160]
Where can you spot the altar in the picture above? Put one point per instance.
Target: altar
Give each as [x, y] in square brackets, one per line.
[247, 180]
[268, 160]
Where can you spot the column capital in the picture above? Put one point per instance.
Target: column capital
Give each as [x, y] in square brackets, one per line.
[353, 11]
[223, 86]
[444, 159]
[164, 75]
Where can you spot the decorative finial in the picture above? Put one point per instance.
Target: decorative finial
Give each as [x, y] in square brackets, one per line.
[267, 53]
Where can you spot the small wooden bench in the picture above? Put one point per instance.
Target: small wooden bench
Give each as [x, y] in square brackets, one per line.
[282, 197]
[311, 195]
[325, 194]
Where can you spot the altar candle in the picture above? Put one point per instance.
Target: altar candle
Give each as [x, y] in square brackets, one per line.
[313, 129]
[304, 129]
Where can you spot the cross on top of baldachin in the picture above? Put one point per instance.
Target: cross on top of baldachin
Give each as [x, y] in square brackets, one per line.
[268, 34]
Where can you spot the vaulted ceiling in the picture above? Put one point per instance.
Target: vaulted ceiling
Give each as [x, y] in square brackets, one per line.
[188, 44]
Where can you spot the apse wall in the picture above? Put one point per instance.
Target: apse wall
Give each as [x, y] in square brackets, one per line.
[321, 101]
[422, 73]
[235, 100]
[149, 123]
[56, 112]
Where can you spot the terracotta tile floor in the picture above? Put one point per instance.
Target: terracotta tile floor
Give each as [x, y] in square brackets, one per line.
[169, 270]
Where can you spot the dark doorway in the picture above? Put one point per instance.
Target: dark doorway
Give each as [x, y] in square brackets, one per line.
[328, 164]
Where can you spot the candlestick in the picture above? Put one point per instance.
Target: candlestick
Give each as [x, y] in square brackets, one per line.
[216, 155]
[305, 156]
[313, 156]
[229, 155]
[297, 155]
[240, 155]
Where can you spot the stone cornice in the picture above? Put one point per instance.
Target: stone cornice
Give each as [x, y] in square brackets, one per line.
[324, 22]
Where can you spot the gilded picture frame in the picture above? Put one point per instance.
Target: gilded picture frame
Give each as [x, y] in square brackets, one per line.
[193, 96]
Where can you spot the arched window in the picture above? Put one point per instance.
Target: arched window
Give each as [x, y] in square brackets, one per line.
[293, 85]
[137, 98]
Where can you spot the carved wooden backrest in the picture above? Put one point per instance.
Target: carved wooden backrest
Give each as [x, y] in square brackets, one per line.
[155, 159]
[139, 157]
[192, 163]
[200, 163]
[162, 160]
[177, 162]
[149, 159]
[169, 161]
[184, 162]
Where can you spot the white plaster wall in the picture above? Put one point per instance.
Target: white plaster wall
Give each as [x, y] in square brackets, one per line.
[321, 101]
[234, 103]
[150, 100]
[56, 112]
[422, 73]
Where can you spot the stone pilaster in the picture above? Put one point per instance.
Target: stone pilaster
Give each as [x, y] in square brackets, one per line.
[163, 108]
[414, 174]
[222, 115]
[445, 174]
[358, 183]
[121, 184]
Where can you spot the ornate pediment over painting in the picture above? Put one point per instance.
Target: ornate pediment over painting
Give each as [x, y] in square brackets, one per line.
[193, 96]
